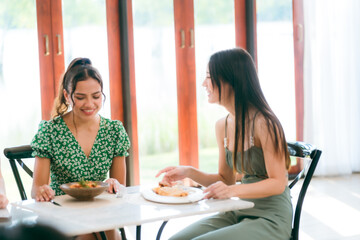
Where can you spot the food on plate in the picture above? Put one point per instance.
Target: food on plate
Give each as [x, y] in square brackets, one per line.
[174, 191]
[84, 184]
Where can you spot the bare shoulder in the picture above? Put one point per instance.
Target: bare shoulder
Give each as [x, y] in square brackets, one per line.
[264, 128]
[261, 129]
[220, 124]
[260, 122]
[220, 131]
[220, 127]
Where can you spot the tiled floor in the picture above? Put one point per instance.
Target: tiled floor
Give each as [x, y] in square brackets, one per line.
[331, 211]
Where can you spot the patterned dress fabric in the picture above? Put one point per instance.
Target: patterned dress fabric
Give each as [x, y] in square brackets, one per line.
[68, 162]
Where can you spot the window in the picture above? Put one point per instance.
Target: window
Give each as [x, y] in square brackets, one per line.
[155, 72]
[214, 31]
[85, 36]
[19, 82]
[276, 60]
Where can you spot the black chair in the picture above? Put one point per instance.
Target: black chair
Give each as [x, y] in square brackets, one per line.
[300, 150]
[16, 154]
[305, 151]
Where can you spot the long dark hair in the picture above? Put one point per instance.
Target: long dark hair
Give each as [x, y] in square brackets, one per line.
[236, 67]
[80, 69]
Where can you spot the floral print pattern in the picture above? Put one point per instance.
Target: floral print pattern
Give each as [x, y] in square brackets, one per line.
[68, 162]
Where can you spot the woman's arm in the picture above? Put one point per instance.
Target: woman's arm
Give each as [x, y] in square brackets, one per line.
[118, 173]
[225, 173]
[41, 190]
[3, 199]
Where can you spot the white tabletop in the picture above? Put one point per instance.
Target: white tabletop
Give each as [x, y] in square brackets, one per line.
[107, 212]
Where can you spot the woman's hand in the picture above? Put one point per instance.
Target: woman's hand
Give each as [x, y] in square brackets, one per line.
[219, 190]
[173, 174]
[114, 185]
[44, 193]
[3, 201]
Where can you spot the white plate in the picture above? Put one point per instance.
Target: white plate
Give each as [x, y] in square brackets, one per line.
[195, 194]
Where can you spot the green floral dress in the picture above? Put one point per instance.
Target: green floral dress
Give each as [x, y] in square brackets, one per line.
[68, 162]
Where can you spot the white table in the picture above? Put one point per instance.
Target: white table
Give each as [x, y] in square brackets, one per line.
[107, 212]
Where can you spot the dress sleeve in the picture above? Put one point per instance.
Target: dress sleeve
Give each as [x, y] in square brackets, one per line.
[41, 142]
[121, 139]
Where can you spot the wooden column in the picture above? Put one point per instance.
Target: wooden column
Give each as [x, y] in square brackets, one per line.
[122, 77]
[251, 39]
[58, 42]
[51, 51]
[298, 35]
[245, 26]
[186, 82]
[240, 23]
[132, 96]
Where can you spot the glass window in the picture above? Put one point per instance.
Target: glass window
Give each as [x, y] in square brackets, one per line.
[85, 35]
[214, 31]
[156, 94]
[19, 83]
[276, 60]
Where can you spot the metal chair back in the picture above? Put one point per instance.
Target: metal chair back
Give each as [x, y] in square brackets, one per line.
[306, 151]
[16, 154]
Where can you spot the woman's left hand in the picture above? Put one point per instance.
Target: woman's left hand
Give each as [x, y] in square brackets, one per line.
[218, 190]
[114, 185]
[3, 201]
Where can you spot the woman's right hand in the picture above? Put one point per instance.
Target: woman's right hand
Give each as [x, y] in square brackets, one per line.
[44, 193]
[173, 174]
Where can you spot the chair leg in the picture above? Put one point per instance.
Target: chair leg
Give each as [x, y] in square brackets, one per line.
[123, 235]
[158, 236]
[294, 235]
[138, 232]
[103, 236]
[18, 179]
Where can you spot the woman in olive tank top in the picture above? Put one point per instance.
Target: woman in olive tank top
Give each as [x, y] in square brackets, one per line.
[252, 145]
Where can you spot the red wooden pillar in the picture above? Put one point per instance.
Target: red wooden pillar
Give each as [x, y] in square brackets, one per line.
[114, 54]
[298, 26]
[186, 82]
[122, 77]
[58, 42]
[51, 54]
[132, 85]
[298, 35]
[240, 23]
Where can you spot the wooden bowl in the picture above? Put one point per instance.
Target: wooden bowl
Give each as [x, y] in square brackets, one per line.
[84, 193]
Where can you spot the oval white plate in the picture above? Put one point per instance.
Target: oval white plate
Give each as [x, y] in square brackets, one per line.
[195, 194]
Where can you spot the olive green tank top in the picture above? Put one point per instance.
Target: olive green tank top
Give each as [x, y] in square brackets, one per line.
[254, 164]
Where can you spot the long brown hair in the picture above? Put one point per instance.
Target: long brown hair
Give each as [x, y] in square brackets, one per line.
[236, 67]
[80, 69]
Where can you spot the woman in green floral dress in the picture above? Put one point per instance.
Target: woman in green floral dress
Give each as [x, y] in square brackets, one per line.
[78, 143]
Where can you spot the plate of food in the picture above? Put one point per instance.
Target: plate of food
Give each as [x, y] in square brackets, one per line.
[84, 190]
[173, 194]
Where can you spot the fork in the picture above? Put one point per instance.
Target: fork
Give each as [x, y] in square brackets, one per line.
[55, 203]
